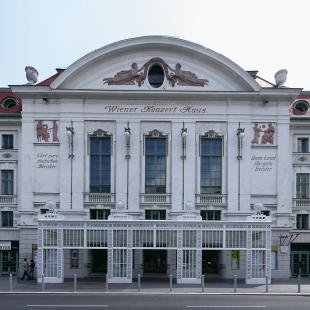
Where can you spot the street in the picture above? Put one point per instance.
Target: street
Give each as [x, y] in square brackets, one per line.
[149, 301]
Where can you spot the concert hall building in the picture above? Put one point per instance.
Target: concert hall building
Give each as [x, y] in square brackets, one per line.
[155, 156]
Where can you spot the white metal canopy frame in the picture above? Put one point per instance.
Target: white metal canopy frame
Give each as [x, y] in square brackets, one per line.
[121, 237]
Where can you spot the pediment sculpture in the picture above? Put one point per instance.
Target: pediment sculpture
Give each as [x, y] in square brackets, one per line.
[136, 76]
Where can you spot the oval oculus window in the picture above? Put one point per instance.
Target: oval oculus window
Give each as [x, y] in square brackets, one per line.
[156, 76]
[302, 106]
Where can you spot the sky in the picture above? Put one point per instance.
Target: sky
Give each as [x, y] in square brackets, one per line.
[263, 35]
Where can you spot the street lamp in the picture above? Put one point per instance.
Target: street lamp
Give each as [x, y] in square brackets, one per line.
[240, 135]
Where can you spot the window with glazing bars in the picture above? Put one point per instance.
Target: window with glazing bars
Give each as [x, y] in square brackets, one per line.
[155, 165]
[155, 214]
[99, 214]
[7, 142]
[7, 182]
[210, 165]
[302, 185]
[210, 215]
[100, 164]
[302, 145]
[7, 218]
[302, 221]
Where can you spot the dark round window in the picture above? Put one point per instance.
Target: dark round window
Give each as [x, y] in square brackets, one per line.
[9, 102]
[302, 106]
[156, 76]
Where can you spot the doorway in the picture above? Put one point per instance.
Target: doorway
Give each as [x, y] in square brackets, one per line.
[99, 261]
[155, 261]
[210, 262]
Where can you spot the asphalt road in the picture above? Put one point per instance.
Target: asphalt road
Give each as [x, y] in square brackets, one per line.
[151, 302]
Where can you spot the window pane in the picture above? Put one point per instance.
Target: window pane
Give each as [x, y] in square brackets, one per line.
[211, 166]
[7, 182]
[7, 142]
[7, 218]
[302, 185]
[100, 164]
[303, 145]
[155, 165]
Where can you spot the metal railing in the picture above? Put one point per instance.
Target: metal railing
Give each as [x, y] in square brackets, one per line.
[155, 198]
[99, 197]
[211, 199]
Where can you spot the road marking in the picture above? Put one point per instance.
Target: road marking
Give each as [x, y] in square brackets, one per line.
[226, 307]
[69, 306]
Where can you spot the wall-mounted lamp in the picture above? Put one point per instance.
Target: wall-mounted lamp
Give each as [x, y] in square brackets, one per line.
[183, 135]
[70, 134]
[127, 134]
[240, 135]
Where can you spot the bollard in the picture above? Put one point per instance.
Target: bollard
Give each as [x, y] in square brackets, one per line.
[235, 283]
[11, 283]
[267, 284]
[43, 285]
[74, 281]
[139, 282]
[171, 283]
[299, 278]
[202, 283]
[106, 283]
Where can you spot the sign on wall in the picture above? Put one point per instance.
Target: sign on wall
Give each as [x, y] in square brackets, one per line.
[5, 245]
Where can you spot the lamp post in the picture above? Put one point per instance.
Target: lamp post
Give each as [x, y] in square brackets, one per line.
[127, 134]
[70, 134]
[183, 157]
[240, 136]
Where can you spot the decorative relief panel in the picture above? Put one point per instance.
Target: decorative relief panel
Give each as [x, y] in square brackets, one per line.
[136, 76]
[264, 134]
[47, 131]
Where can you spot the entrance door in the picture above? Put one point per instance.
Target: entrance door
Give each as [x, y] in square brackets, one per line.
[155, 261]
[99, 261]
[210, 261]
[8, 262]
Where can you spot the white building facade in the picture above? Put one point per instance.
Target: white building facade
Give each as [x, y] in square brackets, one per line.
[155, 154]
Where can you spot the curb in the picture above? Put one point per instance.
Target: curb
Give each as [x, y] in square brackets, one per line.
[147, 293]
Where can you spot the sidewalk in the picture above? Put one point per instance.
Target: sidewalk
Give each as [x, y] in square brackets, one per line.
[158, 286]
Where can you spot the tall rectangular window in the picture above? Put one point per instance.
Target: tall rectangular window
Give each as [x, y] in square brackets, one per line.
[7, 142]
[7, 182]
[155, 165]
[302, 145]
[100, 164]
[302, 185]
[302, 221]
[7, 218]
[210, 165]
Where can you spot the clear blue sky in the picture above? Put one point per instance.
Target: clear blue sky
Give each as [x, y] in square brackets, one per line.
[266, 35]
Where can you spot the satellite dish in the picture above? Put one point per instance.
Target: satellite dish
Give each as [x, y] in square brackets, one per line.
[31, 74]
[280, 77]
[258, 207]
